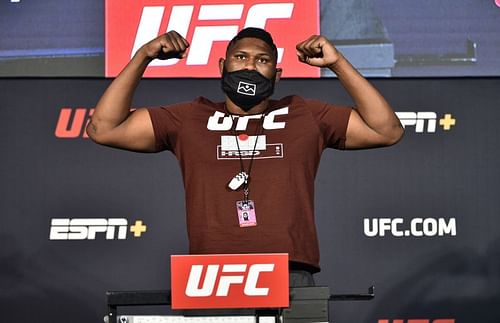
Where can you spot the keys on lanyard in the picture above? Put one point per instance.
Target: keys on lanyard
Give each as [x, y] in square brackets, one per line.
[238, 181]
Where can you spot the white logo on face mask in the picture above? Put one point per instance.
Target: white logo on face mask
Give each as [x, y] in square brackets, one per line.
[246, 88]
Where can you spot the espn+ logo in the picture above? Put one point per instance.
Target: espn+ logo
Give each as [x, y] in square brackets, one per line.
[90, 228]
[426, 121]
[229, 275]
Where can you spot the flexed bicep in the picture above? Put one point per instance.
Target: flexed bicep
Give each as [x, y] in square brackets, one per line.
[360, 135]
[135, 133]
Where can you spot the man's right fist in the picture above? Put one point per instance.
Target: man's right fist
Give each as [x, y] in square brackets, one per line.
[166, 46]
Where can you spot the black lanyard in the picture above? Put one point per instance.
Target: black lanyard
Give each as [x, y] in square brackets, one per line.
[259, 130]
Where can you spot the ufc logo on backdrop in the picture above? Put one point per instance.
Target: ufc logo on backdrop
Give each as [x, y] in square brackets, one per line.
[72, 122]
[204, 36]
[229, 281]
[208, 27]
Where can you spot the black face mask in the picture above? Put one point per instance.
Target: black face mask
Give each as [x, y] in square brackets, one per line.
[246, 88]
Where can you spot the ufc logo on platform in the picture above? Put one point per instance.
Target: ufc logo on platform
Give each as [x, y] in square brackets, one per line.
[229, 281]
[230, 274]
[208, 27]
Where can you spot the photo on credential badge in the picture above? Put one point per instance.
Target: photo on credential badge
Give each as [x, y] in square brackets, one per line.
[383, 38]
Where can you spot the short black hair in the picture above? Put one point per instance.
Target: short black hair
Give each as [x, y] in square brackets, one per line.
[253, 32]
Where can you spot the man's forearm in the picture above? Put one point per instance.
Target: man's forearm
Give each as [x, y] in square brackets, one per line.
[370, 104]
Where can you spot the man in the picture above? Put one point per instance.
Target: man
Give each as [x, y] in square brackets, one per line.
[249, 153]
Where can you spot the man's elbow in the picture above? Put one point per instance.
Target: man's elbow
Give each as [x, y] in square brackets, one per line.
[94, 134]
[395, 135]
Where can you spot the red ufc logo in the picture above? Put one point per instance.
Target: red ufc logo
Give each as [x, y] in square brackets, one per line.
[208, 27]
[418, 321]
[229, 281]
[73, 122]
[230, 274]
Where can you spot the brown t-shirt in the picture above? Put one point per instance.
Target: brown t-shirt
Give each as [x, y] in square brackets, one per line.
[291, 137]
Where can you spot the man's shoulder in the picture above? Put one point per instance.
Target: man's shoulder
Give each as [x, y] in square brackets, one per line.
[186, 106]
[201, 100]
[289, 101]
[296, 101]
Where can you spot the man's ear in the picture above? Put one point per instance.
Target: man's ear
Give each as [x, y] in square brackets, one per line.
[278, 75]
[221, 65]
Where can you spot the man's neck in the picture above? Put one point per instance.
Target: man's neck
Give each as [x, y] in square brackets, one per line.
[234, 109]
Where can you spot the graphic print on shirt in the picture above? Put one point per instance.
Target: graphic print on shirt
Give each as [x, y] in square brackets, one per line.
[248, 144]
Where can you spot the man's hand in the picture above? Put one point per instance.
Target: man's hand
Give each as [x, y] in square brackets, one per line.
[166, 46]
[318, 51]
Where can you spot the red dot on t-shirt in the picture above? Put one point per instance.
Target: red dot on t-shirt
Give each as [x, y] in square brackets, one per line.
[243, 136]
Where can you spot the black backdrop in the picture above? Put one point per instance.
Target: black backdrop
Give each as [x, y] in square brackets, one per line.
[435, 175]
